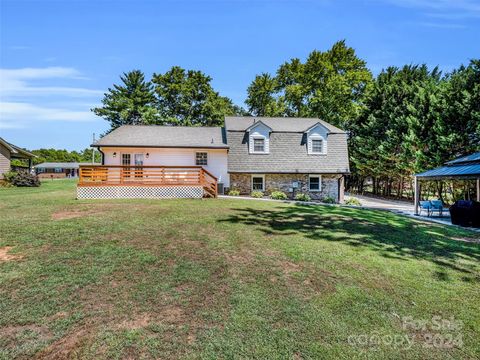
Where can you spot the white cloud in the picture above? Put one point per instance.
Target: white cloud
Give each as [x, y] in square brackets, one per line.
[23, 105]
[459, 8]
[16, 82]
[463, 5]
[442, 25]
[40, 73]
[20, 115]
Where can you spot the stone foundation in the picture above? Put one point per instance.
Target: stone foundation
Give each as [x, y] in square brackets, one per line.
[284, 182]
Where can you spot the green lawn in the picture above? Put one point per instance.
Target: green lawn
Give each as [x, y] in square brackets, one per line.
[228, 279]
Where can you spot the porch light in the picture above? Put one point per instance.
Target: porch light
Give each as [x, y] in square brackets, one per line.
[147, 155]
[114, 154]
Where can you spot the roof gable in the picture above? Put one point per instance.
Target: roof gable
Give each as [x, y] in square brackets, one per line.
[257, 124]
[320, 126]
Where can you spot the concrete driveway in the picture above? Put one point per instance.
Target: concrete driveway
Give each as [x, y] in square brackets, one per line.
[394, 205]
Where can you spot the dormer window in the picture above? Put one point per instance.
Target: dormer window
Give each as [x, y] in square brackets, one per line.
[317, 146]
[259, 138]
[317, 137]
[259, 145]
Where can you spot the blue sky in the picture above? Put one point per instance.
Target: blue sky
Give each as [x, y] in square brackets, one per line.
[57, 58]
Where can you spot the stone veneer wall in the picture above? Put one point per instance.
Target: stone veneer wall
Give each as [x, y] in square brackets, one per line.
[283, 182]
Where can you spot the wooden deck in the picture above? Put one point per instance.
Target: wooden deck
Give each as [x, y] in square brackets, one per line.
[156, 176]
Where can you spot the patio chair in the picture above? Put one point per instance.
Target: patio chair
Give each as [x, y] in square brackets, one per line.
[436, 206]
[425, 206]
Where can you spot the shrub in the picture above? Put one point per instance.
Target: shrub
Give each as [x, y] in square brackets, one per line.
[353, 201]
[234, 192]
[257, 194]
[303, 197]
[278, 195]
[5, 184]
[329, 200]
[25, 179]
[9, 175]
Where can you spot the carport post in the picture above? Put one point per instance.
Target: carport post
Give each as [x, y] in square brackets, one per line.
[478, 189]
[417, 194]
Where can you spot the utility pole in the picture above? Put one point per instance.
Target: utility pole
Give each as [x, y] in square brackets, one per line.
[93, 149]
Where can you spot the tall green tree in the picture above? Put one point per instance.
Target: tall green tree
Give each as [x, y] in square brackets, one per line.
[460, 120]
[186, 97]
[130, 103]
[394, 136]
[329, 85]
[262, 99]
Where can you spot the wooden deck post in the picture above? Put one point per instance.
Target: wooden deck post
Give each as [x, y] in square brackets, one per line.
[417, 194]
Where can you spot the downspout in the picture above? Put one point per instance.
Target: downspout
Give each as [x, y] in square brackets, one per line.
[103, 155]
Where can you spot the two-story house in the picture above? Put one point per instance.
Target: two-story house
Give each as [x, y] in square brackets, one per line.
[289, 154]
[294, 155]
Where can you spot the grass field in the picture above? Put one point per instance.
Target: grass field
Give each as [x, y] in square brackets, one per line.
[228, 279]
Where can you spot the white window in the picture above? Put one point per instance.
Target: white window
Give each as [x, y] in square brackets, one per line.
[315, 183]
[138, 159]
[317, 146]
[259, 145]
[258, 182]
[201, 158]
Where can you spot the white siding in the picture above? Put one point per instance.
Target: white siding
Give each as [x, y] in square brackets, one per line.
[4, 160]
[318, 132]
[217, 159]
[260, 131]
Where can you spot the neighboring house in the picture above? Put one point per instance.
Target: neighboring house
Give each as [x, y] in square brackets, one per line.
[48, 170]
[250, 153]
[8, 152]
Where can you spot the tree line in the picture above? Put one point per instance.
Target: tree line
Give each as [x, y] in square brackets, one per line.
[402, 121]
[56, 155]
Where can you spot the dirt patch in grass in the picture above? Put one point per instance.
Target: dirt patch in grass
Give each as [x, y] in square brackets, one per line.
[29, 335]
[289, 267]
[65, 347]
[5, 256]
[72, 214]
[13, 331]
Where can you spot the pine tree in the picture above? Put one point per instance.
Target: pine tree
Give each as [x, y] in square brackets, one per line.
[131, 103]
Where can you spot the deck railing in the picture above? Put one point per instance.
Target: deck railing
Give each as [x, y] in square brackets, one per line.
[111, 175]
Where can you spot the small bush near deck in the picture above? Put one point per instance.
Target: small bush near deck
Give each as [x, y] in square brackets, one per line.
[234, 192]
[303, 197]
[256, 194]
[329, 200]
[5, 184]
[353, 201]
[278, 195]
[25, 179]
[9, 175]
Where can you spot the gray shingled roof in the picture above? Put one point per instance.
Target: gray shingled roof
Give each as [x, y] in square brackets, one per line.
[15, 151]
[288, 154]
[165, 136]
[282, 124]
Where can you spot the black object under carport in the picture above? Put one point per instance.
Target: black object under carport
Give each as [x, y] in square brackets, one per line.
[465, 213]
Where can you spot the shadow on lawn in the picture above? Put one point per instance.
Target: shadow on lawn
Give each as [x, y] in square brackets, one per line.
[391, 235]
